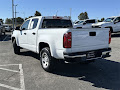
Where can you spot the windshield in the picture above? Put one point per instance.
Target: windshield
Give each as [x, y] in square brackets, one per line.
[109, 19]
[79, 22]
[56, 23]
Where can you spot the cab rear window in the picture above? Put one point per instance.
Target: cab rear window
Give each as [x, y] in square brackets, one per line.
[56, 23]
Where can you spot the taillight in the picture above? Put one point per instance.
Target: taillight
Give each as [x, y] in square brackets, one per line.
[109, 37]
[67, 40]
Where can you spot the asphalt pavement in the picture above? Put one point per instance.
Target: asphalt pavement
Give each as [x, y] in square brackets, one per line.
[24, 72]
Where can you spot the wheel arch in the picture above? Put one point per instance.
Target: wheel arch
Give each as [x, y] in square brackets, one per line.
[43, 45]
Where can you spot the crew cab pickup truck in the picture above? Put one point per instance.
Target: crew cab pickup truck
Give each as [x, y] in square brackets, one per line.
[85, 23]
[113, 23]
[54, 39]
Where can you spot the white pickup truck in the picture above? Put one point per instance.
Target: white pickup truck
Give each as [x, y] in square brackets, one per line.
[54, 38]
[113, 23]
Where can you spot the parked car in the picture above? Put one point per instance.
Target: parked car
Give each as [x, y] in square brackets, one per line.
[113, 23]
[2, 29]
[8, 28]
[54, 39]
[85, 23]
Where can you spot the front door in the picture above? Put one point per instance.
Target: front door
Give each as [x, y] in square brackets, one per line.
[23, 34]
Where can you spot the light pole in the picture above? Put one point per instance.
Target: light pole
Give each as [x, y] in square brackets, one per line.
[15, 15]
[70, 12]
[13, 12]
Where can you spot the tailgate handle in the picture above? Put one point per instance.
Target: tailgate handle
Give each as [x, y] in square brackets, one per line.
[92, 33]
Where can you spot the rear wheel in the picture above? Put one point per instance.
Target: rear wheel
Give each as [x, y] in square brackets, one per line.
[47, 61]
[15, 47]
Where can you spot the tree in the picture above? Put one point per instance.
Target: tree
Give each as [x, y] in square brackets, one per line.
[19, 20]
[37, 13]
[102, 19]
[8, 21]
[83, 16]
[1, 20]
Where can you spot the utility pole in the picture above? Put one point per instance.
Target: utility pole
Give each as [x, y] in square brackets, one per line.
[13, 12]
[15, 15]
[70, 12]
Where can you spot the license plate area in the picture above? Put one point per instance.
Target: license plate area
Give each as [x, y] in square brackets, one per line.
[90, 55]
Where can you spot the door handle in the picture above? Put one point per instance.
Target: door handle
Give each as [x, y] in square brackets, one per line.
[33, 33]
[25, 33]
[92, 33]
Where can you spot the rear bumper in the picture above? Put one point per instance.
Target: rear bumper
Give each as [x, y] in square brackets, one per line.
[99, 54]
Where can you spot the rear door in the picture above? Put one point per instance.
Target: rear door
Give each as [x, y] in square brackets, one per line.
[89, 39]
[32, 34]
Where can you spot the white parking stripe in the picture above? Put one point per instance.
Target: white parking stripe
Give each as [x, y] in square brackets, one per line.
[5, 38]
[22, 84]
[9, 87]
[10, 65]
[9, 70]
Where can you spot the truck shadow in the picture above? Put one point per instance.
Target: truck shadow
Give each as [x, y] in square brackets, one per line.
[102, 74]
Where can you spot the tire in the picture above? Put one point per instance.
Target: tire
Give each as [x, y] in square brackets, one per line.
[47, 61]
[16, 48]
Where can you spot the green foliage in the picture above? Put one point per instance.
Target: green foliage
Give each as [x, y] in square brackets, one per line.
[19, 20]
[37, 13]
[83, 15]
[102, 19]
[8, 21]
[1, 20]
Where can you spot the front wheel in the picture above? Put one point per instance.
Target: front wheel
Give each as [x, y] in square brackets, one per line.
[47, 61]
[16, 48]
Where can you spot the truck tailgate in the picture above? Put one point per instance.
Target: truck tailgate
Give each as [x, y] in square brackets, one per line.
[89, 39]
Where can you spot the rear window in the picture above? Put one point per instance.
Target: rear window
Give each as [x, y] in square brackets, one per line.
[56, 23]
[90, 21]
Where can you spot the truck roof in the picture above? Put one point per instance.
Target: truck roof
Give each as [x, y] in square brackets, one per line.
[114, 16]
[53, 17]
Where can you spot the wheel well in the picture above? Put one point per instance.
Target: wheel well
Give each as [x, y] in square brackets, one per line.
[13, 38]
[43, 45]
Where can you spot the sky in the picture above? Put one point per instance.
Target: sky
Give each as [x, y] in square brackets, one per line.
[96, 9]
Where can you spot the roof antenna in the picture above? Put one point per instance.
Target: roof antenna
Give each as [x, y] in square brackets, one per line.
[56, 12]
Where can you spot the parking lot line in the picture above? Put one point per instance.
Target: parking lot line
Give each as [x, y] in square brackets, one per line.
[5, 38]
[10, 65]
[8, 70]
[22, 84]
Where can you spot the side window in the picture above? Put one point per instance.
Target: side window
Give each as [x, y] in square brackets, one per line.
[34, 23]
[118, 19]
[25, 25]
